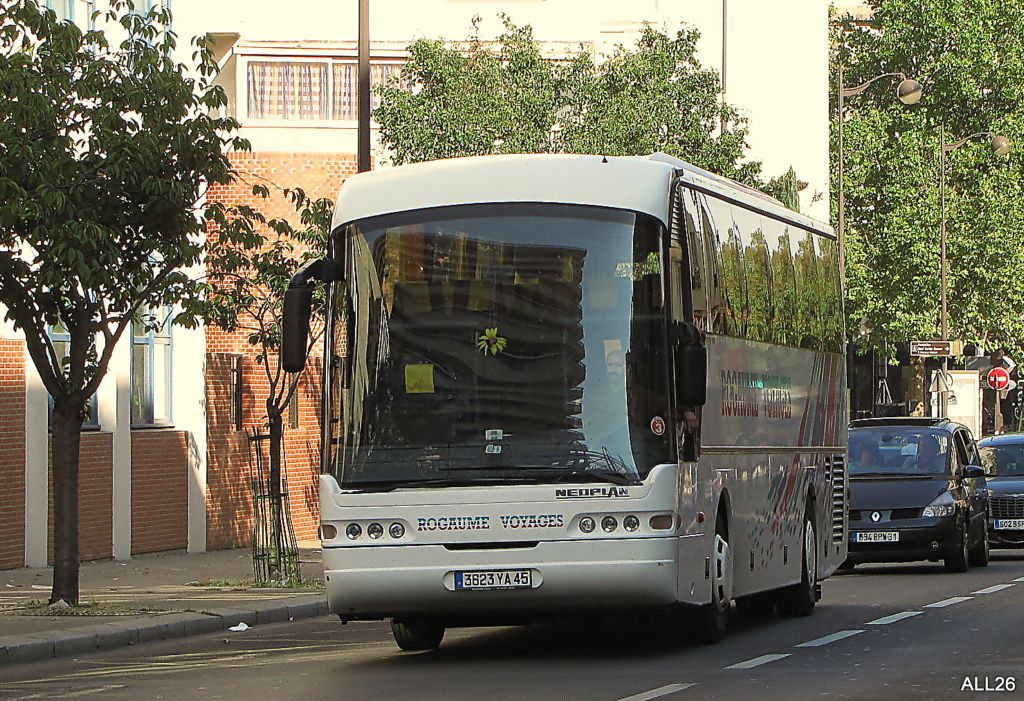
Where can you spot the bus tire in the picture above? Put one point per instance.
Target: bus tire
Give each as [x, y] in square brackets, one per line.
[417, 633]
[799, 599]
[712, 619]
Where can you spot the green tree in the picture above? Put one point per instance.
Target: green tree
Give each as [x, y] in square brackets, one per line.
[969, 54]
[251, 258]
[506, 97]
[105, 152]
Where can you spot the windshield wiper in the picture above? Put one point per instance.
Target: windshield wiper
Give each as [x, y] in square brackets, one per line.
[538, 473]
[391, 485]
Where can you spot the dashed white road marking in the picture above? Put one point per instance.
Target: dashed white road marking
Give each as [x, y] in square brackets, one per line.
[1019, 579]
[825, 640]
[948, 602]
[758, 661]
[886, 620]
[659, 692]
[993, 589]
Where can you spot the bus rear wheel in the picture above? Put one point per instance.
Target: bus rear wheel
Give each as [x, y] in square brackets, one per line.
[799, 599]
[417, 633]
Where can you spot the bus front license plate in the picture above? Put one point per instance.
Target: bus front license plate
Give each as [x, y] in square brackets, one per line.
[1009, 524]
[494, 579]
[877, 537]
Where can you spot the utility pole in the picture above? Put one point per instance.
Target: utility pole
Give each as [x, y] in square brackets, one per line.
[363, 49]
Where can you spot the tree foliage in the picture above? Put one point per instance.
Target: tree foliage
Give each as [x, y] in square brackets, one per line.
[969, 55]
[105, 151]
[508, 97]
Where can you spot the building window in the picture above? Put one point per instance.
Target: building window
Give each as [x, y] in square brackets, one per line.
[61, 341]
[151, 368]
[310, 90]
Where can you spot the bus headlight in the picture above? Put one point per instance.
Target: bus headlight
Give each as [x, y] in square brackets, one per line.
[609, 524]
[353, 531]
[375, 530]
[587, 524]
[396, 530]
[631, 523]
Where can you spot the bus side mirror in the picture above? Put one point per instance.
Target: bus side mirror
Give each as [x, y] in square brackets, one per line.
[692, 375]
[298, 307]
[691, 365]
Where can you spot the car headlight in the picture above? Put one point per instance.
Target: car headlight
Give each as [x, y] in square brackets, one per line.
[942, 506]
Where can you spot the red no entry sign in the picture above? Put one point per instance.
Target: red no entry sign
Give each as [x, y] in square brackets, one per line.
[998, 378]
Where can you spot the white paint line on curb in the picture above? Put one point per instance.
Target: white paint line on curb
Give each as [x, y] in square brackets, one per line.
[886, 620]
[841, 635]
[948, 602]
[993, 589]
[758, 661]
[659, 692]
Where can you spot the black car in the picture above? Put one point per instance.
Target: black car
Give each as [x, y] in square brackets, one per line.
[1003, 460]
[917, 492]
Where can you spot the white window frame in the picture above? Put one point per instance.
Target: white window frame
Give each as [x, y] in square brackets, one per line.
[242, 88]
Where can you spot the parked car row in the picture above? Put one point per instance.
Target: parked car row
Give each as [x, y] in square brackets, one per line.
[923, 489]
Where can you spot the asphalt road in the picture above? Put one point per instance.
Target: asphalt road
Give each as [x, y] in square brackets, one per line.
[893, 632]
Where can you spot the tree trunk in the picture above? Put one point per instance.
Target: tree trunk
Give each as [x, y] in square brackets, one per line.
[918, 390]
[276, 446]
[66, 439]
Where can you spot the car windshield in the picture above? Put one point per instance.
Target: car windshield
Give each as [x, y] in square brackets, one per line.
[1003, 459]
[899, 450]
[501, 342]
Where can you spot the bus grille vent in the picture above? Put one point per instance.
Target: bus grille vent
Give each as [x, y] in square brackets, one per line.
[838, 475]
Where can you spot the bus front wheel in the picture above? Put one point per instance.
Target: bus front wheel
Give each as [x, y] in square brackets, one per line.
[417, 634]
[713, 618]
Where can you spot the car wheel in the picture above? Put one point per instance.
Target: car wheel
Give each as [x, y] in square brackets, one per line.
[713, 619]
[959, 560]
[417, 634]
[980, 553]
[799, 599]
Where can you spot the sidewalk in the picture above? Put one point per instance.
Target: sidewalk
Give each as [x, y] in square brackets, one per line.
[151, 597]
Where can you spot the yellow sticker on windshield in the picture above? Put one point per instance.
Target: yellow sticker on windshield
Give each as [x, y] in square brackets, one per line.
[419, 379]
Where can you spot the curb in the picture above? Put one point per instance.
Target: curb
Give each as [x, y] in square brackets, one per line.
[106, 636]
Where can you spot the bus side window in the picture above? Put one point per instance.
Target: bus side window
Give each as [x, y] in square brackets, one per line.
[695, 248]
[732, 283]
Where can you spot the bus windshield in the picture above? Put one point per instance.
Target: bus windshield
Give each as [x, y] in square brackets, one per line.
[500, 343]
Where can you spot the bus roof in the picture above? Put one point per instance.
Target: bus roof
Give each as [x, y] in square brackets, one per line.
[630, 183]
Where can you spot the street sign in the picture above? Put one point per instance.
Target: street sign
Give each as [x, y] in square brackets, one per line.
[998, 378]
[935, 349]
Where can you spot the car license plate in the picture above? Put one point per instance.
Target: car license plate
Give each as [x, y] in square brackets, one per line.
[494, 579]
[877, 537]
[1009, 524]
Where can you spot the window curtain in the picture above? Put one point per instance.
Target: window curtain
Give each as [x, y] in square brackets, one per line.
[289, 91]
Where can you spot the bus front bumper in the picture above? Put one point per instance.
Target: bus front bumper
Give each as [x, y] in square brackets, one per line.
[567, 576]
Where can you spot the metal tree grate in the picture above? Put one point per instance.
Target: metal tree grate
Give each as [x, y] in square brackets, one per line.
[275, 551]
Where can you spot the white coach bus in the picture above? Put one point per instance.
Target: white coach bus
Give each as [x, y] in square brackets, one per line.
[575, 384]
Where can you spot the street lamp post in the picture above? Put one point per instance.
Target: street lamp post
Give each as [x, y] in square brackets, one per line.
[908, 91]
[1000, 147]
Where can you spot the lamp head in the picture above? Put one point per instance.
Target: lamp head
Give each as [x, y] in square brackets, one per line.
[1000, 145]
[909, 91]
